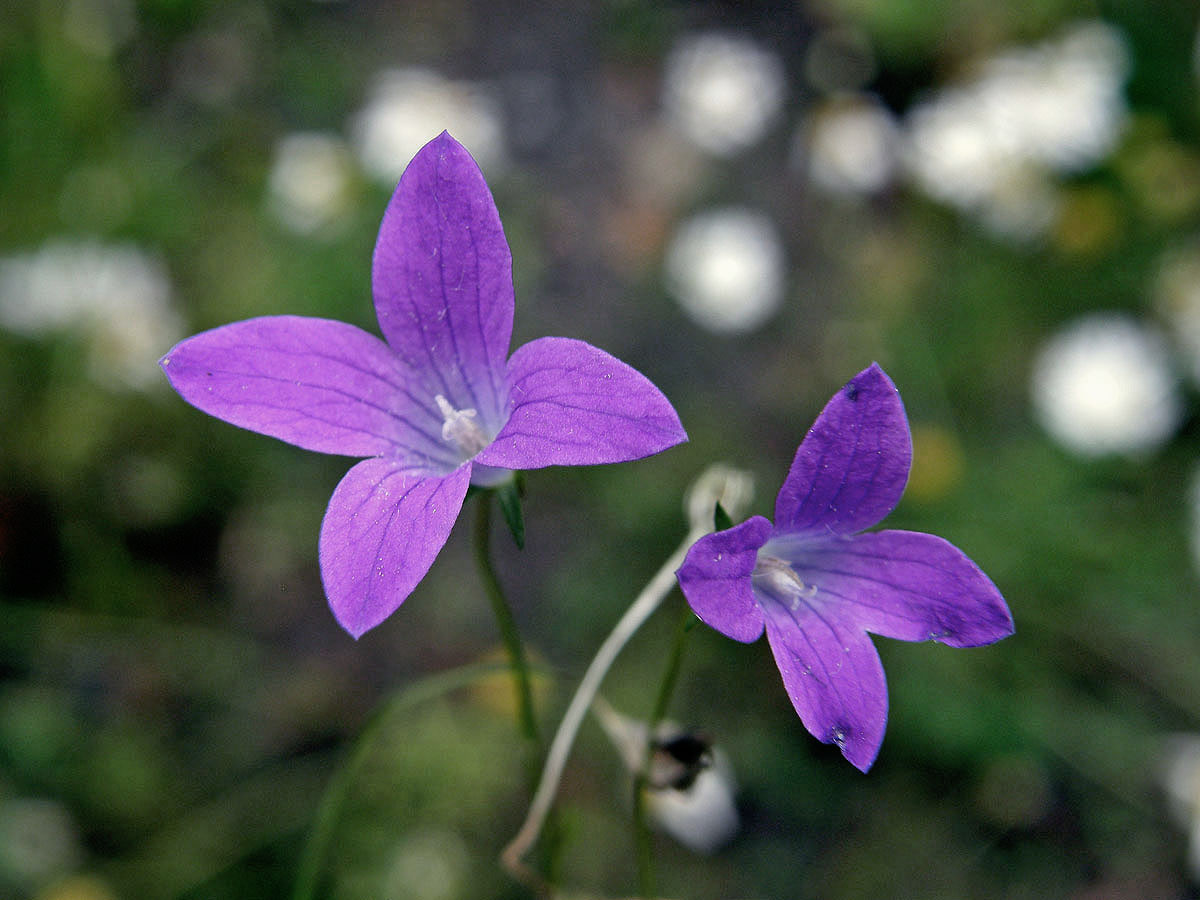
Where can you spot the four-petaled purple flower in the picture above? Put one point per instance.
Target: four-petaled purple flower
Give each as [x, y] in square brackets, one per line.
[439, 406]
[818, 587]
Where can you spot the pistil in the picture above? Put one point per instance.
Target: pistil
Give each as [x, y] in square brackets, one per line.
[776, 578]
[460, 427]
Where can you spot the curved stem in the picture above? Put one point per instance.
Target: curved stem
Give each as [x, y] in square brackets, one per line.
[718, 487]
[646, 603]
[526, 719]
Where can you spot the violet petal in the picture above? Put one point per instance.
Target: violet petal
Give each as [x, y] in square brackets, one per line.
[851, 468]
[905, 585]
[316, 383]
[833, 676]
[715, 579]
[382, 530]
[573, 404]
[442, 279]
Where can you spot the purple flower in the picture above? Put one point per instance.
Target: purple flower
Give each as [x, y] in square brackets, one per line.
[439, 406]
[818, 587]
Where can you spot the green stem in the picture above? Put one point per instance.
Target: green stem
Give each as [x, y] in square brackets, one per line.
[641, 828]
[526, 720]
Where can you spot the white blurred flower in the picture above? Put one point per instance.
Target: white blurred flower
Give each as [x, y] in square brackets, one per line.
[703, 816]
[989, 145]
[722, 91]
[726, 269]
[407, 108]
[125, 349]
[117, 295]
[310, 181]
[1061, 103]
[689, 788]
[39, 840]
[428, 864]
[851, 144]
[954, 155]
[951, 151]
[1179, 774]
[1105, 385]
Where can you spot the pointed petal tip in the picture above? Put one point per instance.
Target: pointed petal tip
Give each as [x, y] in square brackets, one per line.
[355, 630]
[850, 470]
[1003, 625]
[441, 139]
[834, 678]
[441, 277]
[443, 145]
[358, 620]
[872, 377]
[574, 404]
[165, 360]
[984, 617]
[857, 747]
[861, 761]
[319, 384]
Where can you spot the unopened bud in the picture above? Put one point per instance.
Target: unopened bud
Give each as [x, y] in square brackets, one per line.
[719, 483]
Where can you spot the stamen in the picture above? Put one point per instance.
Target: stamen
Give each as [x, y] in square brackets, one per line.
[460, 427]
[777, 578]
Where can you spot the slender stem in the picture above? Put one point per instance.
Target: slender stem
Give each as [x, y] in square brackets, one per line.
[646, 603]
[719, 484]
[641, 828]
[666, 690]
[526, 720]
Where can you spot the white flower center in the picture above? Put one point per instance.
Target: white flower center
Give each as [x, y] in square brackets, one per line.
[777, 579]
[460, 427]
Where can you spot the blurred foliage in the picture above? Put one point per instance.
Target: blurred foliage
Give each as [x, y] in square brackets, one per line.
[175, 697]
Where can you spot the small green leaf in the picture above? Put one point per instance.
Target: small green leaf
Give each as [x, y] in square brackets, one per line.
[509, 495]
[721, 519]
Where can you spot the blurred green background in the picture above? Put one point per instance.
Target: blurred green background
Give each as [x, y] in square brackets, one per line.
[749, 202]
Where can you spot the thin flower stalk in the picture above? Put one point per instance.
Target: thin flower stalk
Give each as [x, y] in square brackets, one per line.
[719, 484]
[510, 635]
[641, 828]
